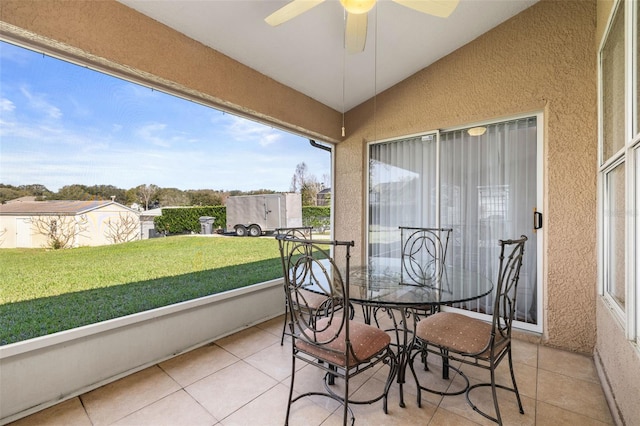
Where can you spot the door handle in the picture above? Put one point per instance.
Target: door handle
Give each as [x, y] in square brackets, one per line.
[537, 220]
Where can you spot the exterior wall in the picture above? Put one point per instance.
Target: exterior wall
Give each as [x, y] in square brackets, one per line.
[94, 233]
[543, 59]
[41, 372]
[618, 364]
[617, 359]
[102, 33]
[98, 225]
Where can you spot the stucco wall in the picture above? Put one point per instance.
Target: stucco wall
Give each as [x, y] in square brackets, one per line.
[117, 39]
[544, 59]
[618, 364]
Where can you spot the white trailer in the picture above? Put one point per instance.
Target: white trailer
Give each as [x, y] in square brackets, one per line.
[257, 214]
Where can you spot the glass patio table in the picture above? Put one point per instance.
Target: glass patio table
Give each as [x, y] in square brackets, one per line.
[402, 300]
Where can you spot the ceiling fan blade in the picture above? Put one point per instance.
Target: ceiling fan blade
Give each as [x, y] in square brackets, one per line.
[440, 8]
[356, 32]
[290, 11]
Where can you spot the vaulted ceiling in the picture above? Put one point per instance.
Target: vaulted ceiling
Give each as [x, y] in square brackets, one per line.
[307, 53]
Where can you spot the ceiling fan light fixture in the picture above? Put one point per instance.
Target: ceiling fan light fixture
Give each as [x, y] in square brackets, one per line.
[358, 7]
[477, 131]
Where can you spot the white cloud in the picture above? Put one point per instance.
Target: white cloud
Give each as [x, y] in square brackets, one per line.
[246, 130]
[149, 132]
[39, 103]
[6, 105]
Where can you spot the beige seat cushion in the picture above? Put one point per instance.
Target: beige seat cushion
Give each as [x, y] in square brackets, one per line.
[457, 332]
[312, 300]
[366, 340]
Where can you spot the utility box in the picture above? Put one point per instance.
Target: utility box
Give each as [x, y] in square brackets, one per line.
[255, 215]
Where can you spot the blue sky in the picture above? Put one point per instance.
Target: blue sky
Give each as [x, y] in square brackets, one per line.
[61, 124]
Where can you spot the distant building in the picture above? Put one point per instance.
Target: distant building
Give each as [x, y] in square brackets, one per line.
[324, 197]
[94, 221]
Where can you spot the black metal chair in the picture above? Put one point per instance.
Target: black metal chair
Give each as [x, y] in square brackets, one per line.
[457, 337]
[330, 341]
[305, 233]
[424, 251]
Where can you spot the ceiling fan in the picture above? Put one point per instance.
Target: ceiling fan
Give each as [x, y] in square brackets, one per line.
[356, 29]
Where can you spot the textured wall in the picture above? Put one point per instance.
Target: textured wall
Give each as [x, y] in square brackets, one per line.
[544, 59]
[618, 363]
[118, 39]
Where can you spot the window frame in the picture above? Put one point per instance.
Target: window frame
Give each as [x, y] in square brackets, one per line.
[629, 155]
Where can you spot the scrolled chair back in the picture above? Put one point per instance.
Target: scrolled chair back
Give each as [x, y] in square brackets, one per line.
[288, 235]
[511, 257]
[423, 254]
[315, 288]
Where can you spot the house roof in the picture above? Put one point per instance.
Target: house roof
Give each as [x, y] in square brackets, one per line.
[57, 207]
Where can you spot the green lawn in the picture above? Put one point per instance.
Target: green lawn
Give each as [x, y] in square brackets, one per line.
[44, 291]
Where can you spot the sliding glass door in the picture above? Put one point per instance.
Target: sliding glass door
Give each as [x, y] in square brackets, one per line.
[485, 187]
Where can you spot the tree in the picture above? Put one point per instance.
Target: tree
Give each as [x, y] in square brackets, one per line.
[107, 192]
[205, 197]
[307, 185]
[309, 191]
[299, 177]
[173, 197]
[73, 192]
[126, 228]
[60, 231]
[146, 194]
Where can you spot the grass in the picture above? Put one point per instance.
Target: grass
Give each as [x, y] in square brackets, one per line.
[45, 291]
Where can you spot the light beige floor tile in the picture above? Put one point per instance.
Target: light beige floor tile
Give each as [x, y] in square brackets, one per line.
[374, 414]
[524, 352]
[431, 379]
[116, 400]
[482, 397]
[443, 417]
[270, 409]
[197, 364]
[305, 413]
[227, 390]
[550, 415]
[177, 409]
[247, 342]
[67, 413]
[568, 363]
[274, 360]
[579, 396]
[274, 325]
[245, 381]
[526, 376]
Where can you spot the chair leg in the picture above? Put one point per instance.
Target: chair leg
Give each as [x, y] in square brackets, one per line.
[513, 380]
[284, 326]
[293, 374]
[345, 401]
[494, 393]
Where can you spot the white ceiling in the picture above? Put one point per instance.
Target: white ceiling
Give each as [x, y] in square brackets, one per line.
[307, 53]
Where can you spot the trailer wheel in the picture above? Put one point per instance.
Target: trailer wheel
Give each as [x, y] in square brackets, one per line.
[255, 231]
[241, 231]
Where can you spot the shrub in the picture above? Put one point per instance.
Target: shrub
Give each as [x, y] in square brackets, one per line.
[187, 219]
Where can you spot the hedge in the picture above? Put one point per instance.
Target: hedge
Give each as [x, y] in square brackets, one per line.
[317, 217]
[184, 220]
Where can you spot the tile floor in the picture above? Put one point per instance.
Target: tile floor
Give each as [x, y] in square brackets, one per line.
[243, 379]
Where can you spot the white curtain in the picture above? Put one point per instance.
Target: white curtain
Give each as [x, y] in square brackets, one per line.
[487, 191]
